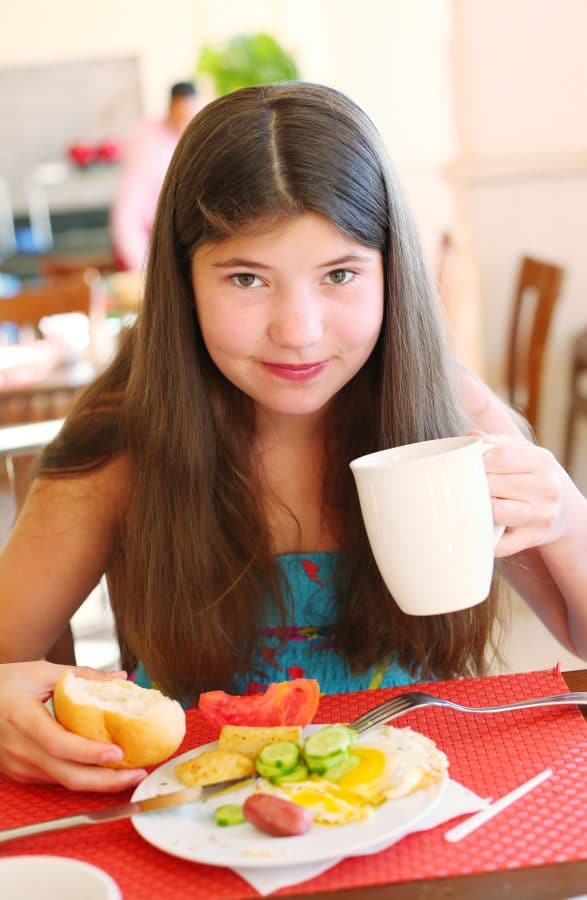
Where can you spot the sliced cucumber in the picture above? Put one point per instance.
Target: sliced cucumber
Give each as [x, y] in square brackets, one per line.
[300, 773]
[320, 765]
[276, 760]
[229, 814]
[335, 773]
[328, 742]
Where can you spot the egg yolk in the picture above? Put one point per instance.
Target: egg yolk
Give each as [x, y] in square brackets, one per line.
[312, 799]
[371, 766]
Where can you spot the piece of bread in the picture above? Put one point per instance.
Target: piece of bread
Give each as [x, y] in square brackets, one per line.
[250, 740]
[213, 766]
[145, 724]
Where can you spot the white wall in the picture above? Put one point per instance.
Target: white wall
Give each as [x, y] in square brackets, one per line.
[162, 35]
[384, 58]
[521, 95]
[526, 80]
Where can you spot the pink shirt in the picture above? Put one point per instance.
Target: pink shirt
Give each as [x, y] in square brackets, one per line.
[146, 158]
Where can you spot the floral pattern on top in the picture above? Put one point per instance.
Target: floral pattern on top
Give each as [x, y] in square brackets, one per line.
[305, 647]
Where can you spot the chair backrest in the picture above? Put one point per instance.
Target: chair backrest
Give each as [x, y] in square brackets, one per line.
[578, 395]
[54, 296]
[537, 291]
[19, 467]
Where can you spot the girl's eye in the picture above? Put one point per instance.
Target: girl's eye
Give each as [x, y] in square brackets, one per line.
[245, 280]
[340, 276]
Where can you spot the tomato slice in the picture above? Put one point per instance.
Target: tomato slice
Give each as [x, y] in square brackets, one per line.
[283, 703]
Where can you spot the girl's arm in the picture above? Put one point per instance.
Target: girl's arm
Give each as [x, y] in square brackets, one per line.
[60, 546]
[543, 551]
[58, 549]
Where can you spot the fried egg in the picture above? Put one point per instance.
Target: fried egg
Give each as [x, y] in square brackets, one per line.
[391, 763]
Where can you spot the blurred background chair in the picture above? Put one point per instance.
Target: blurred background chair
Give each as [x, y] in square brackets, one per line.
[41, 373]
[536, 293]
[578, 395]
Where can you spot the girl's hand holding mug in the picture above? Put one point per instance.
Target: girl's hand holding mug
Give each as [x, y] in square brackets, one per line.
[528, 489]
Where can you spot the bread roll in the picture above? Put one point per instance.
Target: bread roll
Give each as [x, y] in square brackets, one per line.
[147, 726]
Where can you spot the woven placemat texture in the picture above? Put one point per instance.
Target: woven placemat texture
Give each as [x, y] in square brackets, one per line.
[489, 754]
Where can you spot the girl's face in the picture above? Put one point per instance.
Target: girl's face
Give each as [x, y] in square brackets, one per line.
[291, 313]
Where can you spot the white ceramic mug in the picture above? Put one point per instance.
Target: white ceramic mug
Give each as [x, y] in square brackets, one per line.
[54, 878]
[427, 512]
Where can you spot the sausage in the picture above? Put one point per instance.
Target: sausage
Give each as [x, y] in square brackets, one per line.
[277, 816]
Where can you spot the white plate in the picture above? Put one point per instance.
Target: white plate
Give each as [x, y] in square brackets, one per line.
[190, 832]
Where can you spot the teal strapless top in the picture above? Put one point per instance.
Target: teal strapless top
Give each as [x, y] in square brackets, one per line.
[307, 650]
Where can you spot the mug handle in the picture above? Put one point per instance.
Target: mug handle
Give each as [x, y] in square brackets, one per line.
[498, 530]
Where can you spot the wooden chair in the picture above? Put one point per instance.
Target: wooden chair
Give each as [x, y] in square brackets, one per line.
[537, 291]
[19, 466]
[578, 400]
[50, 397]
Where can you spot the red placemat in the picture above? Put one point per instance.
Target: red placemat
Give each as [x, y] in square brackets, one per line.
[489, 754]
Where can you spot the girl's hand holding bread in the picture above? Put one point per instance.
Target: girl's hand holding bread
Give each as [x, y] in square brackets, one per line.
[143, 723]
[34, 748]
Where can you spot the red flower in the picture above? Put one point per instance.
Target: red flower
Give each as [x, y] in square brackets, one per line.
[268, 654]
[296, 672]
[311, 569]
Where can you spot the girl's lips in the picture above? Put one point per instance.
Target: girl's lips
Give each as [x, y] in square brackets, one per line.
[295, 371]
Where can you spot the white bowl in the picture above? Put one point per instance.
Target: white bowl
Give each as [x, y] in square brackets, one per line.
[54, 878]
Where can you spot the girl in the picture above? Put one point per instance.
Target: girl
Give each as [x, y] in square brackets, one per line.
[288, 326]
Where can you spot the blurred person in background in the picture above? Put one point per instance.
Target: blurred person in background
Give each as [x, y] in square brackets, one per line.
[146, 157]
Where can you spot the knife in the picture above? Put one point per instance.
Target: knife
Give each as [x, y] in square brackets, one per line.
[124, 810]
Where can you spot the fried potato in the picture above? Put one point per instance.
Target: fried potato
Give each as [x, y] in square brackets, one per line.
[213, 766]
[249, 740]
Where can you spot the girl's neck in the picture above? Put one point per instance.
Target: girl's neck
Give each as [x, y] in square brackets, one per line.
[273, 431]
[290, 464]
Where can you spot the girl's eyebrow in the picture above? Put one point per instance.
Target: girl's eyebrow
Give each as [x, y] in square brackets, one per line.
[238, 261]
[349, 258]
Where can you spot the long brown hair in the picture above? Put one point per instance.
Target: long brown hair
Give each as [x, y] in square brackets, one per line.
[194, 563]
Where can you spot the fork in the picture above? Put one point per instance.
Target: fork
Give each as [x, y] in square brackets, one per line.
[397, 706]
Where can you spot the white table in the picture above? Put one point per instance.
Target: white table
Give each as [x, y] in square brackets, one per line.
[30, 436]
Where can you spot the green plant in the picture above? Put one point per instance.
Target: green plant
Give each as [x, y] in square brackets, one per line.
[246, 59]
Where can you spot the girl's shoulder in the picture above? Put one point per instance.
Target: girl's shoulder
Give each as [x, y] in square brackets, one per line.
[102, 491]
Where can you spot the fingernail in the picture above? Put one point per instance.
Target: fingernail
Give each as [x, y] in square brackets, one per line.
[138, 778]
[113, 755]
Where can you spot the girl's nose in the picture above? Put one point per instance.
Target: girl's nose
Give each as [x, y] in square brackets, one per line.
[296, 322]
